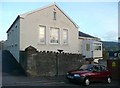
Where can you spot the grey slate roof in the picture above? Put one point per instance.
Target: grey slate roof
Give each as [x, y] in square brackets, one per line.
[81, 34]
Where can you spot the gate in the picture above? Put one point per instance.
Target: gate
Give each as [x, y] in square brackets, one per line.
[114, 67]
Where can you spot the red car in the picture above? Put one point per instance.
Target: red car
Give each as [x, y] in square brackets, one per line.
[89, 73]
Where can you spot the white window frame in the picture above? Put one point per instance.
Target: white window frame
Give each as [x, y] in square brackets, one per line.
[66, 36]
[58, 35]
[44, 34]
[98, 45]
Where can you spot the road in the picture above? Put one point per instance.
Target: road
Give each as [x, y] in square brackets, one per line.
[38, 82]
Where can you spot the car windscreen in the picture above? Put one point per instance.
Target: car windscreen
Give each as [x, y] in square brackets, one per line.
[88, 67]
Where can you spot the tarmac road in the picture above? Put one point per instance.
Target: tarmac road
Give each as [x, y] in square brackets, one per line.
[38, 82]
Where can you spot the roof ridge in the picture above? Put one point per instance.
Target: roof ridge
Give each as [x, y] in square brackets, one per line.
[41, 8]
[88, 35]
[67, 16]
[33, 11]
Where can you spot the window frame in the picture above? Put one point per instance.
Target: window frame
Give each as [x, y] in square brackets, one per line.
[44, 34]
[63, 37]
[97, 45]
[58, 35]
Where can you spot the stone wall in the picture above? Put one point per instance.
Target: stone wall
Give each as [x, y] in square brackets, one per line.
[48, 63]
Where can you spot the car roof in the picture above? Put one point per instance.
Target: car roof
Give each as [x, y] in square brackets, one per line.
[99, 65]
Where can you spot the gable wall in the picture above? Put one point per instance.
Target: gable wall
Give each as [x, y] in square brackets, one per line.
[30, 25]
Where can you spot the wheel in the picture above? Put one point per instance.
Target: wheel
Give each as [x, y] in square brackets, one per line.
[86, 82]
[109, 80]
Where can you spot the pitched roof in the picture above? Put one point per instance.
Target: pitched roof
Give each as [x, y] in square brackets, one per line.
[13, 23]
[81, 34]
[28, 13]
[36, 10]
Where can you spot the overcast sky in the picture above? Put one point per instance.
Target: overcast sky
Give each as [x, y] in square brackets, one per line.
[98, 19]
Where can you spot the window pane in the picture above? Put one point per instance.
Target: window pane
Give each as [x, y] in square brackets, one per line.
[42, 34]
[65, 36]
[54, 15]
[54, 35]
[97, 46]
[87, 47]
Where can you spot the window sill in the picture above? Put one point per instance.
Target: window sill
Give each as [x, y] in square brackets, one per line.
[41, 44]
[54, 43]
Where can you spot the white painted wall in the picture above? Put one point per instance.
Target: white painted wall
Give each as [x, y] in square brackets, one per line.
[29, 31]
[97, 53]
[88, 54]
[92, 53]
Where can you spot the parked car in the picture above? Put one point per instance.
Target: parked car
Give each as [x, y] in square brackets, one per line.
[89, 73]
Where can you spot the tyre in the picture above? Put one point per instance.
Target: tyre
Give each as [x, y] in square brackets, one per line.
[86, 82]
[109, 80]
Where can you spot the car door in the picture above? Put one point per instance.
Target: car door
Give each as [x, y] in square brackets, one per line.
[96, 74]
[103, 73]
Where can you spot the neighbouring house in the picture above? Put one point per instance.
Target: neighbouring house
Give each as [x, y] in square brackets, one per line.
[91, 47]
[50, 29]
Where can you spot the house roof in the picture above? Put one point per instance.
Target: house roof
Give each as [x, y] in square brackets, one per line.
[81, 34]
[28, 13]
[13, 23]
[31, 12]
[84, 35]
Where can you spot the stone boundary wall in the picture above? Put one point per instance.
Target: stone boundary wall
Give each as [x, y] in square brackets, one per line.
[48, 63]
